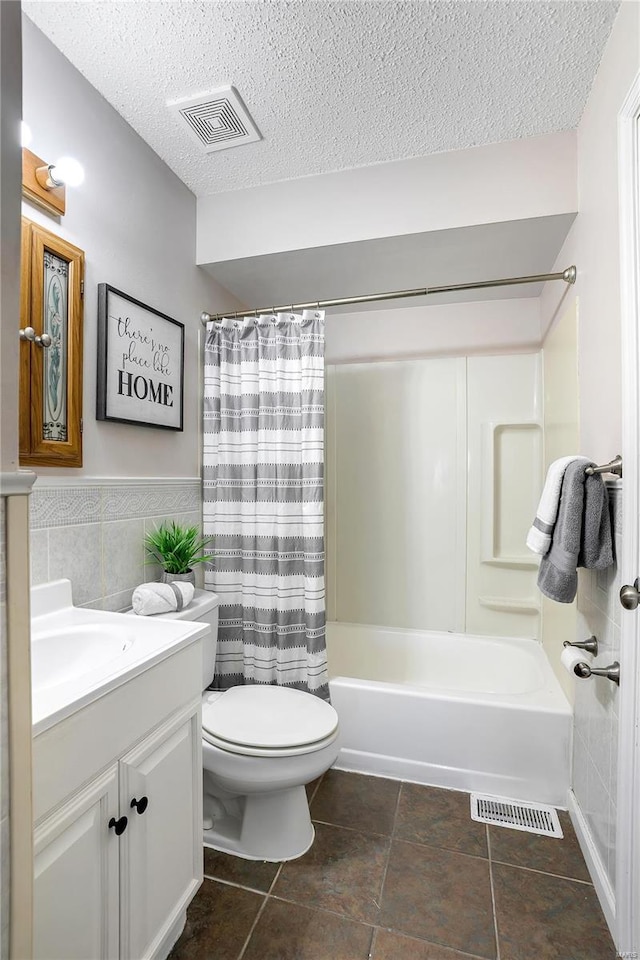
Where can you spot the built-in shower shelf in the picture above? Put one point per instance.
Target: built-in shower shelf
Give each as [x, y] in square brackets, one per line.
[520, 563]
[510, 604]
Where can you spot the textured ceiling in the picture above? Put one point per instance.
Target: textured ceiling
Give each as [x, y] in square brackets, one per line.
[333, 85]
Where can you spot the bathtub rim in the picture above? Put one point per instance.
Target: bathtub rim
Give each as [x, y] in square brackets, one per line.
[548, 697]
[509, 700]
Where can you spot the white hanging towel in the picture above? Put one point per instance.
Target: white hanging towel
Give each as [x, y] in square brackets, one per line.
[541, 531]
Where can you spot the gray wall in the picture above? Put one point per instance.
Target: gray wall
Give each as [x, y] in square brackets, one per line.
[135, 220]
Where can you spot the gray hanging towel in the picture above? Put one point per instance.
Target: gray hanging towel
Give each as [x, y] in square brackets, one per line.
[581, 537]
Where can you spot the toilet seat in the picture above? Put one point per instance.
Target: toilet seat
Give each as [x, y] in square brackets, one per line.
[264, 720]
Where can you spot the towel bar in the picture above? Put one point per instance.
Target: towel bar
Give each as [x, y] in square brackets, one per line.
[614, 466]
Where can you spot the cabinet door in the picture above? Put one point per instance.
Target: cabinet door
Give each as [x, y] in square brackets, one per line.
[51, 376]
[161, 857]
[76, 882]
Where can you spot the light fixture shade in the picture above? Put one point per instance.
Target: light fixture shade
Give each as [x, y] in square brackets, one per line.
[25, 134]
[67, 170]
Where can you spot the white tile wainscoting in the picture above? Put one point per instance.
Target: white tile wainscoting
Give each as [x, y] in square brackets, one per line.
[92, 531]
[595, 742]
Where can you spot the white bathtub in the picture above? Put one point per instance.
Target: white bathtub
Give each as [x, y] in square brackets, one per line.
[482, 714]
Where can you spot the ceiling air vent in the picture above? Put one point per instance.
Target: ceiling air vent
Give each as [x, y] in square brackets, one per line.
[216, 120]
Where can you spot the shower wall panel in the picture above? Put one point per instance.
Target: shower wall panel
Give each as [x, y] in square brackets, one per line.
[396, 511]
[505, 456]
[434, 469]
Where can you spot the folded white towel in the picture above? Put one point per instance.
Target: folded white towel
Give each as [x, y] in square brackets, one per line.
[151, 598]
[541, 532]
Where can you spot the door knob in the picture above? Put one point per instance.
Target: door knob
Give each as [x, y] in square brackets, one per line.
[118, 825]
[28, 333]
[630, 595]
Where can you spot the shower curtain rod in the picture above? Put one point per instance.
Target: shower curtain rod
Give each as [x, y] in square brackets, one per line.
[568, 275]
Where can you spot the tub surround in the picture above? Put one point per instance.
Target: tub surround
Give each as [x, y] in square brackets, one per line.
[92, 530]
[427, 515]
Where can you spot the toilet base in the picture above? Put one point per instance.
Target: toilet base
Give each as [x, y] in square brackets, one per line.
[273, 826]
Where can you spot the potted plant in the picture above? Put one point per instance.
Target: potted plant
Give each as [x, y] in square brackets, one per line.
[177, 549]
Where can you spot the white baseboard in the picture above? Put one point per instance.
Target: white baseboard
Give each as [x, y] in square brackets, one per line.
[596, 868]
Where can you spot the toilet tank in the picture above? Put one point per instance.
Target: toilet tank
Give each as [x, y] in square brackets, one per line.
[204, 609]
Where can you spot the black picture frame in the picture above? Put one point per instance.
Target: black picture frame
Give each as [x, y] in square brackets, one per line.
[140, 371]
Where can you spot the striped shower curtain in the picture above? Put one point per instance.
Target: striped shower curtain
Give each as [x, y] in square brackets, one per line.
[263, 498]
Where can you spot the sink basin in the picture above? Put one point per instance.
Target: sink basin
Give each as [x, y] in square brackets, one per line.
[67, 653]
[78, 655]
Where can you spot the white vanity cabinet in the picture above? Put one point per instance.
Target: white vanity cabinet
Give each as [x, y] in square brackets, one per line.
[76, 882]
[118, 857]
[161, 856]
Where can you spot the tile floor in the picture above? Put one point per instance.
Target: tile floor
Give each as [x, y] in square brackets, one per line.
[400, 872]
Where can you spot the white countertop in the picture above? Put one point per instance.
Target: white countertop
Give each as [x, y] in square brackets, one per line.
[79, 655]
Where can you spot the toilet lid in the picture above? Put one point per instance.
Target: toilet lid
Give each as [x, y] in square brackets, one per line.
[268, 717]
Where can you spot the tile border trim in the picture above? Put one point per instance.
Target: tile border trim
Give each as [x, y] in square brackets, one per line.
[98, 500]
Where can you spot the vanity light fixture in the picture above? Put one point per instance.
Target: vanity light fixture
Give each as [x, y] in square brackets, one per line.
[44, 183]
[64, 172]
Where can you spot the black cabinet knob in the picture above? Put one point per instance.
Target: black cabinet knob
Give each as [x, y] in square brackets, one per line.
[141, 804]
[119, 825]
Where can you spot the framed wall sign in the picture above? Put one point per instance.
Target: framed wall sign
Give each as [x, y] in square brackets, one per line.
[140, 362]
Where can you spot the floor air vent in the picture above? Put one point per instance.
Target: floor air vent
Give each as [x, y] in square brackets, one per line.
[530, 817]
[216, 120]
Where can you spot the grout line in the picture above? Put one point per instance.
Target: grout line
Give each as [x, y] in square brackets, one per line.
[430, 943]
[253, 926]
[238, 886]
[544, 873]
[493, 896]
[388, 857]
[340, 826]
[433, 846]
[395, 812]
[277, 874]
[312, 906]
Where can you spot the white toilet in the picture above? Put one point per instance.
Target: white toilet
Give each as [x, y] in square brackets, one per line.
[261, 745]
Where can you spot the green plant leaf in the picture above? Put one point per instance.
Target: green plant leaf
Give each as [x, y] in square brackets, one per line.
[177, 548]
